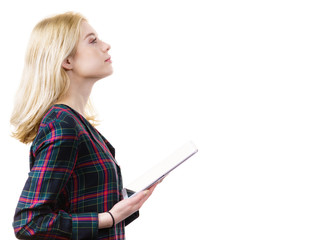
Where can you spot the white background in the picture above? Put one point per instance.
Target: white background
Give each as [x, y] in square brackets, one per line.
[239, 78]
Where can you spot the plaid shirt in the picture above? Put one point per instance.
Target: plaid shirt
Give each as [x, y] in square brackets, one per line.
[73, 177]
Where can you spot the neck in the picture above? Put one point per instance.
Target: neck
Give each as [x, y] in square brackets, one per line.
[77, 95]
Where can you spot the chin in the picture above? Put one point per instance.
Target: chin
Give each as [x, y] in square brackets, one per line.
[102, 74]
[106, 75]
[109, 73]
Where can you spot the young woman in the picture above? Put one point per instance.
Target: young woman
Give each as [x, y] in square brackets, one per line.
[74, 186]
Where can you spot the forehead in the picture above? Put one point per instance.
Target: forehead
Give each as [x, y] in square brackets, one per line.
[86, 30]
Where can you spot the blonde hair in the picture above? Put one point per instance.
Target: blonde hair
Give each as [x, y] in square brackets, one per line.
[44, 80]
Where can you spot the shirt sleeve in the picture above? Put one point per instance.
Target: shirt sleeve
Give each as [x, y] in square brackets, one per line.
[38, 215]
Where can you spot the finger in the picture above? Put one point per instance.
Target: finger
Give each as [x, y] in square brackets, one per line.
[153, 186]
[140, 196]
[144, 195]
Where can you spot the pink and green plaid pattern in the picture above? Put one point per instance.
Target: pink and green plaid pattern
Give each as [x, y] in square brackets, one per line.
[73, 177]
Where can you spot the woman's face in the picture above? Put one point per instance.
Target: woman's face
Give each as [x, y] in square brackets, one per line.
[92, 60]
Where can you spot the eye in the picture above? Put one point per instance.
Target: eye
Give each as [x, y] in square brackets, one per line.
[93, 40]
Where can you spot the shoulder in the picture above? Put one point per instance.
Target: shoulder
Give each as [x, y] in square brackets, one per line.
[59, 123]
[60, 115]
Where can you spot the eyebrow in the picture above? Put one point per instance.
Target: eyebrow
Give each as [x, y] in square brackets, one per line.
[89, 34]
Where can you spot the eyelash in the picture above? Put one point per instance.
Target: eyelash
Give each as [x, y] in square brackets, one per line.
[94, 40]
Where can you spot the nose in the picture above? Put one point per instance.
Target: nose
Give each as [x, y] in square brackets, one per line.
[105, 47]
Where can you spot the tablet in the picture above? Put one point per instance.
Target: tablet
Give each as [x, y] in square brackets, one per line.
[161, 170]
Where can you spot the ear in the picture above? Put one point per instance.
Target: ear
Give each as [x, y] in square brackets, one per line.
[67, 64]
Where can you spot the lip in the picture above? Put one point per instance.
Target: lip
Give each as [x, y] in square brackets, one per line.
[108, 60]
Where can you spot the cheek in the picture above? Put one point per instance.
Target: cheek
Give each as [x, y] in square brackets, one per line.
[91, 65]
[87, 62]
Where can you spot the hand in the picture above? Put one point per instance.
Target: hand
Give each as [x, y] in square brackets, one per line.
[125, 208]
